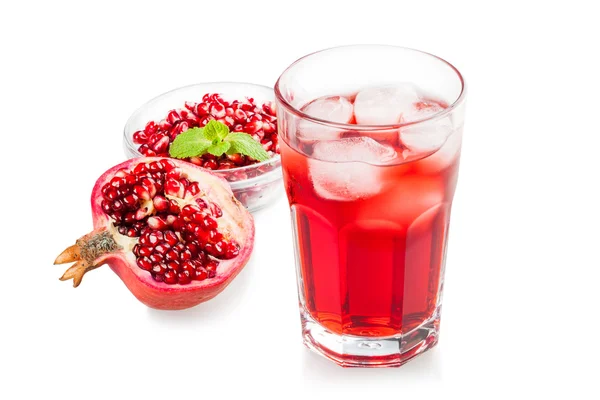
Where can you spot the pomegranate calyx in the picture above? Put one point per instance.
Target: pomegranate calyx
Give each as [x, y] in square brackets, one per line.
[86, 250]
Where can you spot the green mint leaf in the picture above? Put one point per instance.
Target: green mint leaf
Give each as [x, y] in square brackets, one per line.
[215, 131]
[190, 143]
[244, 144]
[219, 148]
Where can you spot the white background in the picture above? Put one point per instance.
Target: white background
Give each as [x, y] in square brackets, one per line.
[521, 308]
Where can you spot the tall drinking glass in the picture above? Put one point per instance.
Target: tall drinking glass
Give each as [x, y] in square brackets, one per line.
[370, 141]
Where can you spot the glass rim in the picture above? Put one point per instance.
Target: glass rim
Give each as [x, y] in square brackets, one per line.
[367, 127]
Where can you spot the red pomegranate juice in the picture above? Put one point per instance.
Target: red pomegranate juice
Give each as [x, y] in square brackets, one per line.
[371, 225]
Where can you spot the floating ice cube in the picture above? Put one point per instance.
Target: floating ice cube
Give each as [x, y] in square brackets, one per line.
[427, 136]
[334, 109]
[347, 171]
[362, 149]
[384, 105]
[445, 156]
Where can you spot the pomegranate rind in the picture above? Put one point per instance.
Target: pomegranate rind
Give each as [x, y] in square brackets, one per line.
[236, 222]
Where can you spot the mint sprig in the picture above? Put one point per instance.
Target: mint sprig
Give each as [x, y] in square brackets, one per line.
[216, 139]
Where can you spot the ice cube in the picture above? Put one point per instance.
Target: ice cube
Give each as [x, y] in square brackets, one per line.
[385, 105]
[334, 109]
[362, 149]
[427, 136]
[346, 170]
[445, 156]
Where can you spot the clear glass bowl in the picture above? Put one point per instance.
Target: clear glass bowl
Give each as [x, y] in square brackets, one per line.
[256, 185]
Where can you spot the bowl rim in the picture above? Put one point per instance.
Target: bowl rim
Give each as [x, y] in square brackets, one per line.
[131, 146]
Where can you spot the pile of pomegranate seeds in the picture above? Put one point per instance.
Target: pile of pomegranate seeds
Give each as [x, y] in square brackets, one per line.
[239, 116]
[177, 227]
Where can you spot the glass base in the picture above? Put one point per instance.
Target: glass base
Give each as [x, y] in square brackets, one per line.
[358, 351]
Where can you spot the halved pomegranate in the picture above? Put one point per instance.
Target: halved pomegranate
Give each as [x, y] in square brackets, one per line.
[173, 232]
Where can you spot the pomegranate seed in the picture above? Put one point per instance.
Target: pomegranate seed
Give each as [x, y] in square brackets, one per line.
[142, 213]
[231, 250]
[189, 267]
[168, 165]
[173, 117]
[268, 127]
[161, 248]
[189, 209]
[170, 277]
[156, 257]
[185, 255]
[156, 166]
[140, 137]
[150, 128]
[164, 125]
[171, 238]
[229, 121]
[140, 169]
[159, 269]
[201, 274]
[117, 216]
[209, 223]
[161, 145]
[174, 173]
[173, 207]
[155, 138]
[144, 263]
[118, 205]
[106, 207]
[161, 204]
[210, 164]
[145, 251]
[184, 278]
[144, 240]
[239, 116]
[196, 161]
[202, 109]
[174, 265]
[141, 192]
[236, 158]
[253, 127]
[179, 247]
[174, 188]
[172, 255]
[211, 268]
[193, 248]
[267, 146]
[193, 189]
[217, 110]
[226, 165]
[129, 218]
[130, 200]
[111, 194]
[155, 237]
